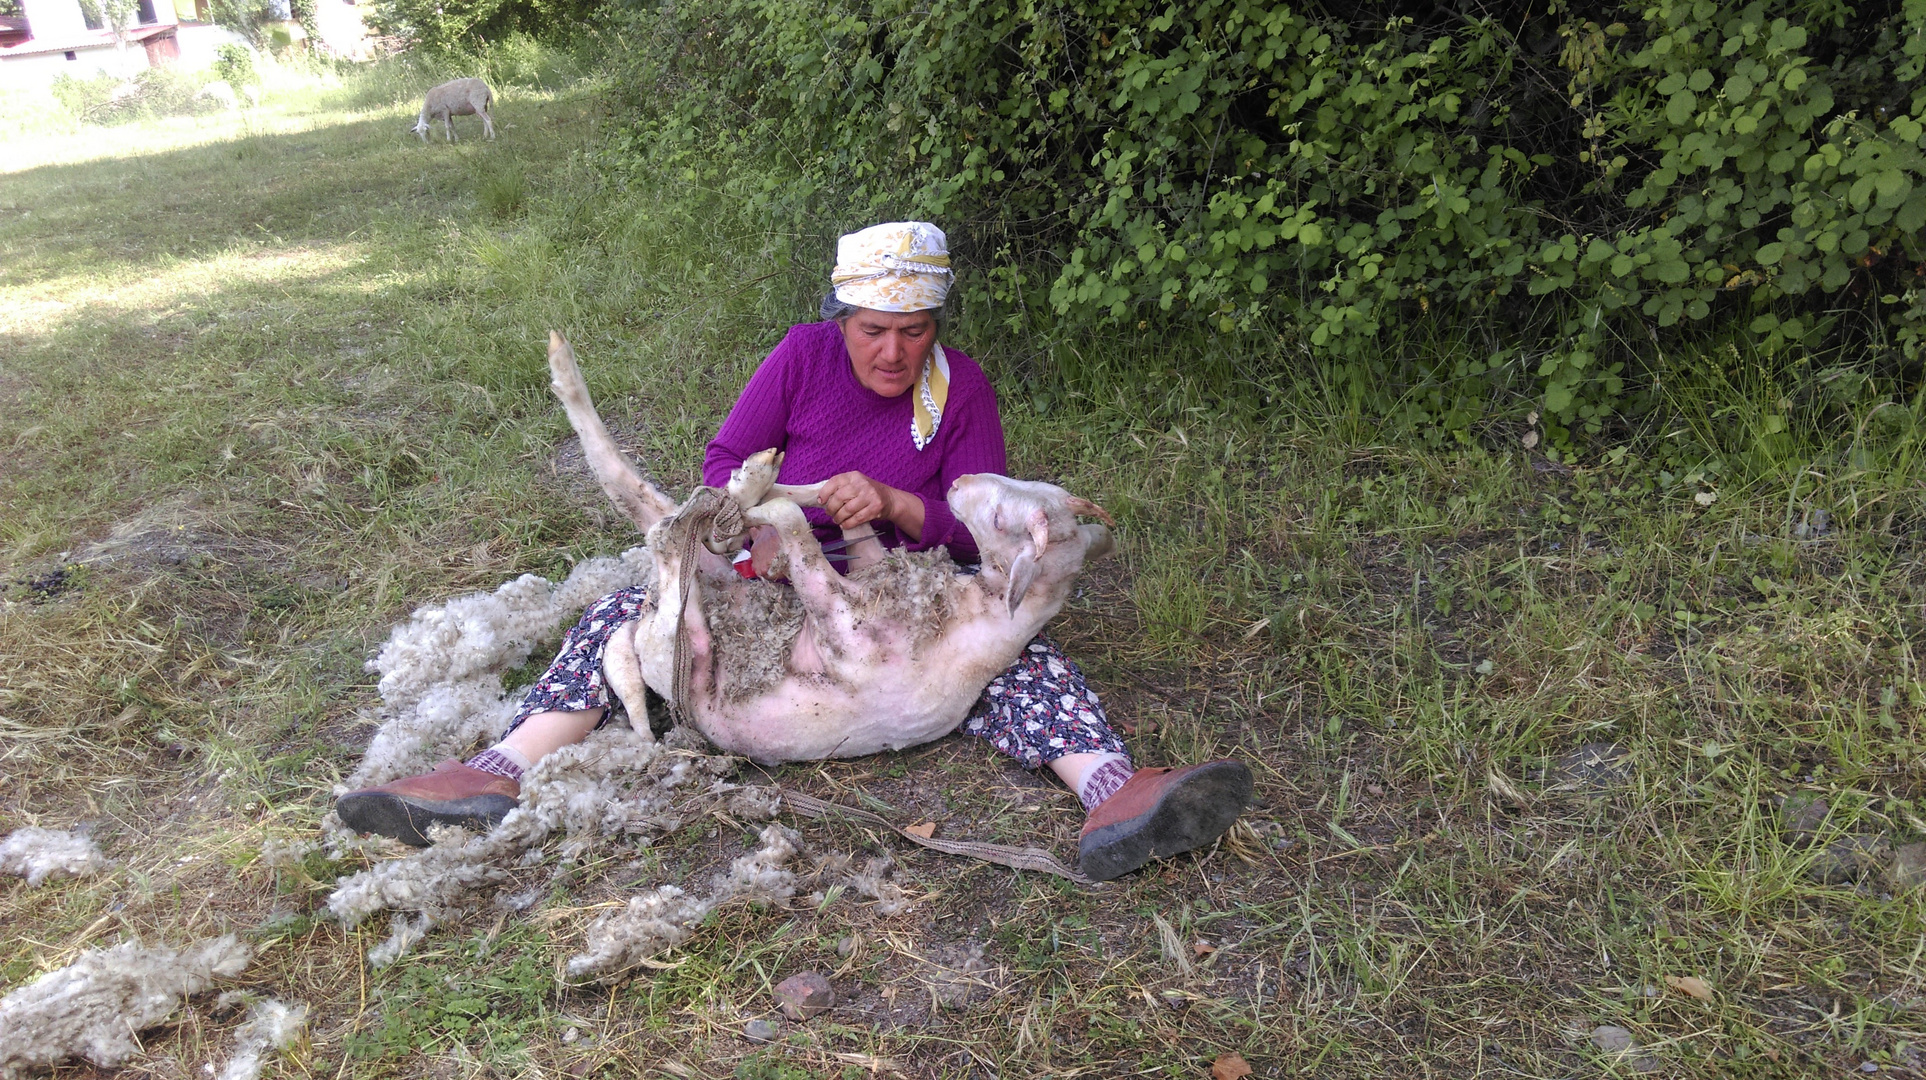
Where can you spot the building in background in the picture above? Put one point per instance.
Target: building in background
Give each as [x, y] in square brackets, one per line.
[41, 40]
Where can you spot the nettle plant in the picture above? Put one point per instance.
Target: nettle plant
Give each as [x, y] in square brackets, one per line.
[1558, 197]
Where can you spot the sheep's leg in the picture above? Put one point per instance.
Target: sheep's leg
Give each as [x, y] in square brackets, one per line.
[800, 494]
[638, 499]
[623, 670]
[448, 125]
[862, 546]
[859, 543]
[488, 123]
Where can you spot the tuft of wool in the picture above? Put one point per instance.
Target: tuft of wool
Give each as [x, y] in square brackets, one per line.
[37, 854]
[874, 883]
[763, 876]
[405, 932]
[441, 687]
[441, 692]
[94, 1006]
[610, 784]
[652, 923]
[661, 919]
[271, 1025]
[282, 854]
[756, 803]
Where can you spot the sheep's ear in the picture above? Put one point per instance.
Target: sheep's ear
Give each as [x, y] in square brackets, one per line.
[1086, 508]
[1023, 574]
[1039, 531]
[1097, 541]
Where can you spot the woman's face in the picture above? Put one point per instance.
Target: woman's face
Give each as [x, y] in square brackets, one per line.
[887, 348]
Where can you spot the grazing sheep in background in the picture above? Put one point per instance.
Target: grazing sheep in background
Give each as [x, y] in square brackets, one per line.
[889, 657]
[457, 97]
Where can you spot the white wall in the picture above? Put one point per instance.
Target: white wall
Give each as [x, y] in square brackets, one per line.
[51, 20]
[198, 42]
[341, 29]
[39, 71]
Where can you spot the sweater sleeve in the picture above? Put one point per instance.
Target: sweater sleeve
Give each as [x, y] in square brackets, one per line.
[760, 418]
[978, 448]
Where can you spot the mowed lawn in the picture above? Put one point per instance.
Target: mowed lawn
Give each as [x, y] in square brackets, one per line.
[1526, 731]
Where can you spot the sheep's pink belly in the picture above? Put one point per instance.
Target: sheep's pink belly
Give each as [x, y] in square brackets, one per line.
[808, 722]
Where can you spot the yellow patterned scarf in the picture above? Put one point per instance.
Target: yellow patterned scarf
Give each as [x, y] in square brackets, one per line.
[932, 393]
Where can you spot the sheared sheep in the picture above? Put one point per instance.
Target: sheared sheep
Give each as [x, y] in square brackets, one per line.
[457, 97]
[891, 656]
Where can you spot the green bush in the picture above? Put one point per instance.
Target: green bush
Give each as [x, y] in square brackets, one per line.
[521, 60]
[107, 99]
[248, 18]
[234, 65]
[465, 24]
[1563, 200]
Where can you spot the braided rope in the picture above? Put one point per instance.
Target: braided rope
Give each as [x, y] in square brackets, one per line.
[1001, 854]
[711, 509]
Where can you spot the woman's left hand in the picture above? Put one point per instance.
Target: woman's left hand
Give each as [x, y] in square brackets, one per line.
[853, 499]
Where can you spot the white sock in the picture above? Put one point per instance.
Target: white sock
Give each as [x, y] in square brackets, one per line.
[502, 760]
[520, 759]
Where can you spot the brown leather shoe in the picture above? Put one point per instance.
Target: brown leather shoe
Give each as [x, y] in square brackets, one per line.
[1160, 812]
[454, 794]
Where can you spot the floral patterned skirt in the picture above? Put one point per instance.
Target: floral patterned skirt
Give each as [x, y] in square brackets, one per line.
[1037, 711]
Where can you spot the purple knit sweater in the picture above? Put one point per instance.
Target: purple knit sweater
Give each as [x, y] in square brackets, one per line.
[805, 400]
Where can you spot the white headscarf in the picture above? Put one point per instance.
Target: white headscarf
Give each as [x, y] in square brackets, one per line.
[902, 266]
[896, 266]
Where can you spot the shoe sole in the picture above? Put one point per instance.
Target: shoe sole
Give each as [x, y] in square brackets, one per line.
[1195, 812]
[407, 820]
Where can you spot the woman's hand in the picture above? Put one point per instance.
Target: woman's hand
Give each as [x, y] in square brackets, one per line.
[852, 499]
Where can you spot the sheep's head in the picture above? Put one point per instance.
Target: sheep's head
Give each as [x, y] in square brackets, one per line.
[1024, 528]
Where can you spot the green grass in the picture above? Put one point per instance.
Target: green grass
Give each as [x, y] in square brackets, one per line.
[272, 381]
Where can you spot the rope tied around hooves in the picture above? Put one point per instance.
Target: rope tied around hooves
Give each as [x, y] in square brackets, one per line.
[709, 514]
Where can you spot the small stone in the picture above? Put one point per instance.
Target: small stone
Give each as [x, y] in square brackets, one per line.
[845, 946]
[1592, 767]
[805, 995]
[1848, 859]
[1869, 1066]
[1908, 866]
[1802, 814]
[1618, 1042]
[762, 1030]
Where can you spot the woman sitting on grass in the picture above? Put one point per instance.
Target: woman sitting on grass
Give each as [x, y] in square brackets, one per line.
[868, 402]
